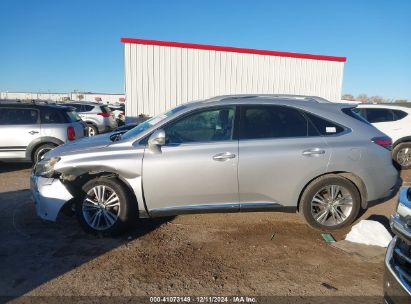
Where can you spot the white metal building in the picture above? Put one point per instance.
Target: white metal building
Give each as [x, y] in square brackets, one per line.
[159, 74]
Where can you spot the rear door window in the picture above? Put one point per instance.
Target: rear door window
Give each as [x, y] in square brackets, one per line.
[51, 116]
[17, 116]
[87, 108]
[260, 122]
[79, 108]
[379, 115]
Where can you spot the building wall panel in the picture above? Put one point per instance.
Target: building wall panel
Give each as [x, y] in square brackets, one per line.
[158, 77]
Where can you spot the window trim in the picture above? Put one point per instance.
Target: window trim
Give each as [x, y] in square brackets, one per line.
[345, 131]
[302, 112]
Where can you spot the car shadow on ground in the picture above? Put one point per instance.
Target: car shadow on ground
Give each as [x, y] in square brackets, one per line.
[33, 251]
[10, 167]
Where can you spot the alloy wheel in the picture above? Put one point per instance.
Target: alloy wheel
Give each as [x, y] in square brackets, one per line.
[91, 131]
[331, 205]
[101, 207]
[404, 157]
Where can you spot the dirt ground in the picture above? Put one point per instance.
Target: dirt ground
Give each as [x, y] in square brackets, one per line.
[215, 254]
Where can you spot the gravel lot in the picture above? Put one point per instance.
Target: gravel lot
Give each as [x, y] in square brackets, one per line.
[214, 254]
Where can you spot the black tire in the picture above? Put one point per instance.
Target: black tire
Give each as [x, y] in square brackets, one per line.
[40, 151]
[395, 152]
[306, 209]
[92, 130]
[127, 211]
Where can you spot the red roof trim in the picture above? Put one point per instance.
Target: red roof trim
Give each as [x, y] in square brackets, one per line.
[231, 49]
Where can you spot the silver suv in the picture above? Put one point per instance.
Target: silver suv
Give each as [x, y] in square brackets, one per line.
[28, 131]
[97, 116]
[226, 154]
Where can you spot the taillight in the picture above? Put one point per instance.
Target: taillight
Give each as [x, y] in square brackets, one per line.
[71, 134]
[384, 142]
[104, 114]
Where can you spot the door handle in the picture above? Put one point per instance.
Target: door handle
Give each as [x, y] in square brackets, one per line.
[313, 152]
[33, 132]
[223, 156]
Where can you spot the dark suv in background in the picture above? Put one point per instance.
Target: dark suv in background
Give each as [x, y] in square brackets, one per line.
[29, 130]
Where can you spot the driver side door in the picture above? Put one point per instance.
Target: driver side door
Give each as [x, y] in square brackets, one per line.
[196, 169]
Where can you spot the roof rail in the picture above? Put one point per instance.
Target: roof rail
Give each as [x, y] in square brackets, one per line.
[290, 96]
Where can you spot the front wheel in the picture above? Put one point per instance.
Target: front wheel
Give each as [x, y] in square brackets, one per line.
[402, 155]
[106, 207]
[330, 203]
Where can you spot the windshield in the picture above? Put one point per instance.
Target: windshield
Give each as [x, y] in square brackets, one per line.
[151, 122]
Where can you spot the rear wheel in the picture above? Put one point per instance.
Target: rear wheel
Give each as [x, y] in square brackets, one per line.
[41, 151]
[92, 130]
[402, 155]
[106, 207]
[330, 202]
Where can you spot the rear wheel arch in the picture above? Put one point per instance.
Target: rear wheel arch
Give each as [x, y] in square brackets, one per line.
[356, 180]
[406, 139]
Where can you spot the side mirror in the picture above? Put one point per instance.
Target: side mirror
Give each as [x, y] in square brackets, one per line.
[157, 139]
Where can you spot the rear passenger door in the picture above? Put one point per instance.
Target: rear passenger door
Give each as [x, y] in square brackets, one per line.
[279, 152]
[18, 128]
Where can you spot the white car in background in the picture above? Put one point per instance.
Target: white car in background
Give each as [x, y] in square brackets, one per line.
[119, 113]
[395, 121]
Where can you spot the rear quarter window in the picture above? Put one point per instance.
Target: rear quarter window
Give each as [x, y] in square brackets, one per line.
[398, 114]
[72, 116]
[324, 126]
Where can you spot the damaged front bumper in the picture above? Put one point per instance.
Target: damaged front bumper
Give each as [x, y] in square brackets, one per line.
[49, 196]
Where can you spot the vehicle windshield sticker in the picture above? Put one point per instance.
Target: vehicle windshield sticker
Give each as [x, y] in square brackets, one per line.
[330, 129]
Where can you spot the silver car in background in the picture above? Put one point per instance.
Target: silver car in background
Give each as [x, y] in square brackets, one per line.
[30, 130]
[225, 154]
[98, 117]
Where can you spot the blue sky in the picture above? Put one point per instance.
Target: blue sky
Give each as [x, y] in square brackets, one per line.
[50, 45]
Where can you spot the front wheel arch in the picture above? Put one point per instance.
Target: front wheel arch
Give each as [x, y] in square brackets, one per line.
[75, 184]
[126, 207]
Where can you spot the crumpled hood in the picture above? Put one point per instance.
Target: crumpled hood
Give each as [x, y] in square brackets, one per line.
[81, 145]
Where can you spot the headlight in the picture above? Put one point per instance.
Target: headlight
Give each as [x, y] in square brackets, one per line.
[45, 167]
